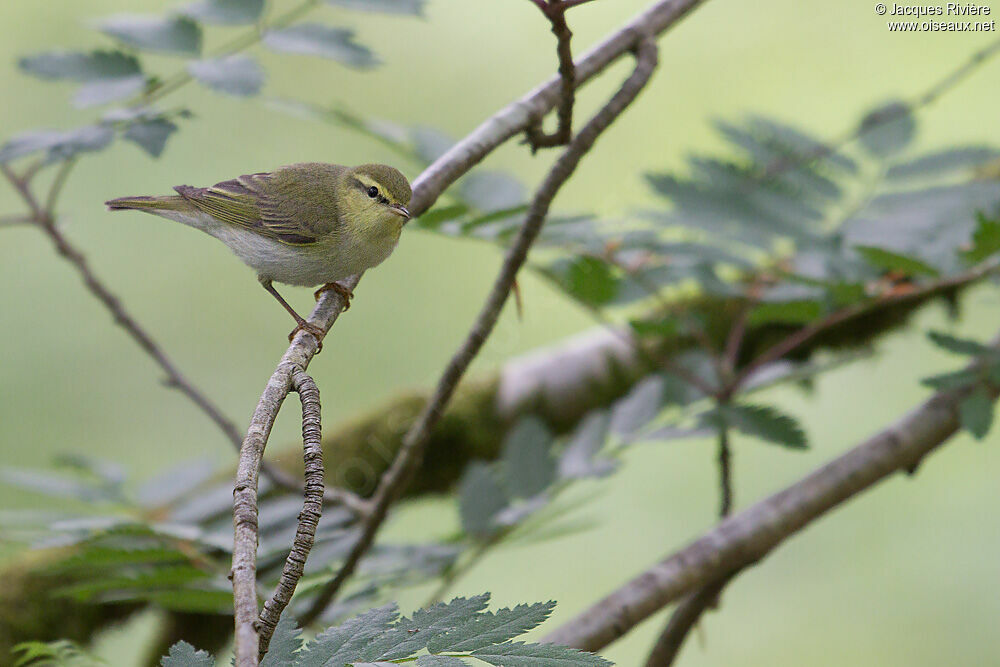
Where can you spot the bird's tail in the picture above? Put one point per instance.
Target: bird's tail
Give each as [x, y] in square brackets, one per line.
[149, 204]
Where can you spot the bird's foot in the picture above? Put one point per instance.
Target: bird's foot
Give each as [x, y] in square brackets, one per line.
[309, 328]
[339, 289]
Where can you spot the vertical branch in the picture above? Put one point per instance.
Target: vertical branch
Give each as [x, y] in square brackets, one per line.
[411, 452]
[312, 507]
[555, 12]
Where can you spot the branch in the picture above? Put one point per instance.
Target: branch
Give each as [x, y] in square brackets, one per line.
[312, 507]
[555, 12]
[411, 453]
[244, 573]
[682, 621]
[747, 537]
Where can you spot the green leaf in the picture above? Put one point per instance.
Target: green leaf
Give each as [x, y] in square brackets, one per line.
[410, 7]
[942, 163]
[225, 12]
[662, 328]
[579, 458]
[760, 421]
[440, 661]
[488, 628]
[956, 345]
[888, 129]
[82, 67]
[150, 135]
[975, 412]
[313, 39]
[590, 280]
[341, 644]
[59, 653]
[441, 214]
[187, 600]
[172, 34]
[519, 654]
[480, 500]
[57, 145]
[234, 75]
[985, 240]
[102, 92]
[183, 654]
[60, 486]
[174, 577]
[410, 635]
[285, 642]
[492, 191]
[643, 402]
[529, 467]
[891, 261]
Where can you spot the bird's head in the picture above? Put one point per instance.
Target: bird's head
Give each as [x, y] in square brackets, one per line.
[377, 194]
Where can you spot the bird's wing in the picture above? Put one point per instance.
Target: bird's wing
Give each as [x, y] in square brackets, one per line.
[244, 203]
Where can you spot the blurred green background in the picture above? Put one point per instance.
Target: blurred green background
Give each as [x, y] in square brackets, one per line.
[906, 575]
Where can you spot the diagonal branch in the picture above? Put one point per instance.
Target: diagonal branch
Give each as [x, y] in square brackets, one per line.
[745, 538]
[411, 453]
[312, 507]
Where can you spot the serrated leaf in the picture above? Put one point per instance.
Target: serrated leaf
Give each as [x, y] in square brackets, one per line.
[410, 635]
[942, 163]
[81, 67]
[285, 642]
[985, 240]
[642, 403]
[488, 628]
[761, 421]
[234, 75]
[225, 12]
[975, 412]
[579, 458]
[59, 486]
[440, 661]
[888, 260]
[314, 39]
[174, 577]
[171, 34]
[410, 7]
[492, 191]
[888, 129]
[529, 467]
[183, 654]
[186, 600]
[150, 135]
[341, 644]
[480, 500]
[57, 145]
[519, 654]
[957, 345]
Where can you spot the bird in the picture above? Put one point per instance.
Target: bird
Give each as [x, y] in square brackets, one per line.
[302, 224]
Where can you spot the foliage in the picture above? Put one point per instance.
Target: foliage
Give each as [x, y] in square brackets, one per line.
[443, 634]
[981, 380]
[60, 653]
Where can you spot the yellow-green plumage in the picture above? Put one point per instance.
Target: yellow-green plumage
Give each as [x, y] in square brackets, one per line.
[303, 224]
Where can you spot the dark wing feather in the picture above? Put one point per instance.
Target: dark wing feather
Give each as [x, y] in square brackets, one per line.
[243, 203]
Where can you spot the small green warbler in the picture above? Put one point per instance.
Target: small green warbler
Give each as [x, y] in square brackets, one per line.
[302, 224]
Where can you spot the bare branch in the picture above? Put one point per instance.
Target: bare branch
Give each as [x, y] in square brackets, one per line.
[244, 573]
[555, 12]
[747, 537]
[682, 621]
[312, 507]
[411, 453]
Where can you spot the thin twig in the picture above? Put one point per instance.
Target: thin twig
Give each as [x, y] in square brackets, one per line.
[725, 474]
[689, 611]
[411, 452]
[745, 538]
[555, 12]
[312, 507]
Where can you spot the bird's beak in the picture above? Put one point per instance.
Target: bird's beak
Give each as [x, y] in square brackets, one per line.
[401, 210]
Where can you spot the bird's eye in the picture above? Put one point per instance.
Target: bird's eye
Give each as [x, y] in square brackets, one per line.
[373, 192]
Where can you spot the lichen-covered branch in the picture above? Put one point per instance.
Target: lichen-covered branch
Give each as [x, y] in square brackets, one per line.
[312, 508]
[747, 537]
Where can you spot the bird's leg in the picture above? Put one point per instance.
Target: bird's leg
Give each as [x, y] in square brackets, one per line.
[339, 289]
[301, 324]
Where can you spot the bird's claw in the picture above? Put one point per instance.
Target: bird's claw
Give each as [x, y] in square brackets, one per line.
[309, 328]
[345, 292]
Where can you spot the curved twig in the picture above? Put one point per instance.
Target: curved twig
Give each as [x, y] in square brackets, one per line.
[411, 452]
[312, 507]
